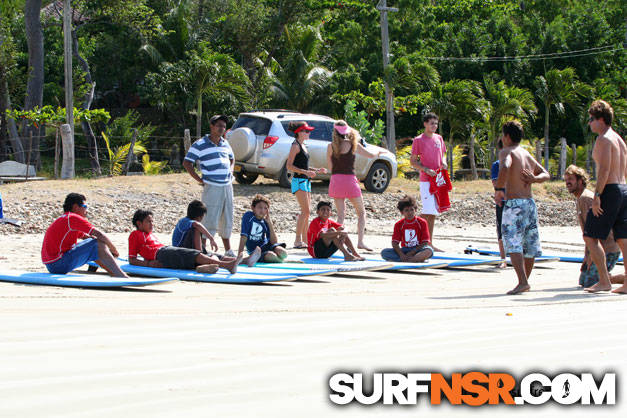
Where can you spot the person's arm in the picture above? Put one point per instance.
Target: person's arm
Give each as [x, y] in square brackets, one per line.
[100, 236]
[200, 228]
[189, 167]
[443, 164]
[537, 175]
[361, 150]
[290, 163]
[397, 249]
[273, 237]
[134, 261]
[242, 244]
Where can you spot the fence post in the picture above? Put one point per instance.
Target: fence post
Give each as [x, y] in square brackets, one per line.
[129, 156]
[67, 138]
[574, 148]
[187, 140]
[564, 146]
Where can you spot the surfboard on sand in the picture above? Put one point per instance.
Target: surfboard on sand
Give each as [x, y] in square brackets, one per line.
[486, 251]
[338, 263]
[78, 280]
[444, 260]
[190, 275]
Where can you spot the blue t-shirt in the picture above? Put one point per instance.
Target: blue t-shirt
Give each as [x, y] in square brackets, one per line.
[495, 170]
[256, 230]
[181, 228]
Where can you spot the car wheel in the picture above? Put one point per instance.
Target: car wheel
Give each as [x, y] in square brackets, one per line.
[285, 178]
[243, 177]
[378, 178]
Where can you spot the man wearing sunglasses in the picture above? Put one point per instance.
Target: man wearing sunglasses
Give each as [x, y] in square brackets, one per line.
[60, 252]
[609, 208]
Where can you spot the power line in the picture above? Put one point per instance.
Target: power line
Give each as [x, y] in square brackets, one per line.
[554, 55]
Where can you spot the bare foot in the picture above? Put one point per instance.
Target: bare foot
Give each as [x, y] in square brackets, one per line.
[598, 288]
[350, 257]
[436, 249]
[622, 290]
[254, 257]
[519, 289]
[617, 278]
[207, 268]
[502, 265]
[232, 266]
[300, 245]
[363, 246]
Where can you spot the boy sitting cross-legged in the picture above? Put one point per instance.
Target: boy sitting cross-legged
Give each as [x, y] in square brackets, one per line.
[143, 242]
[325, 236]
[410, 240]
[258, 236]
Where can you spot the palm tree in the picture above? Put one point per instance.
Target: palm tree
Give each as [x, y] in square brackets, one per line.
[505, 102]
[300, 80]
[556, 89]
[215, 75]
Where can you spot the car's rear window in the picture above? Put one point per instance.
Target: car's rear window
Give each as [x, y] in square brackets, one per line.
[259, 126]
[323, 131]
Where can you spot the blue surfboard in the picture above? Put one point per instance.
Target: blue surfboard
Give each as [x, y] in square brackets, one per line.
[445, 260]
[191, 275]
[338, 263]
[485, 251]
[78, 280]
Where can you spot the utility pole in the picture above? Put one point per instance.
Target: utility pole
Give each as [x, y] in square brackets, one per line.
[389, 96]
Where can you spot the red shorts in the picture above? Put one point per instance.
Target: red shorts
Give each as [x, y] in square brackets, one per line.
[344, 186]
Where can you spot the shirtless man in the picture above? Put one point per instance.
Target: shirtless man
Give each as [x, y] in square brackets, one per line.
[609, 208]
[576, 181]
[518, 169]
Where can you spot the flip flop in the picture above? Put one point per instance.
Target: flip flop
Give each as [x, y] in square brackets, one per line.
[300, 246]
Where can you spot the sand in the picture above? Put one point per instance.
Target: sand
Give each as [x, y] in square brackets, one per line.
[198, 350]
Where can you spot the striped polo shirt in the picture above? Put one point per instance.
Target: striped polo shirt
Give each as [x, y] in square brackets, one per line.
[215, 160]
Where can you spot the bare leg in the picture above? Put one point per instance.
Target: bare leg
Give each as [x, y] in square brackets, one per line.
[431, 223]
[339, 243]
[340, 206]
[107, 261]
[622, 243]
[281, 253]
[272, 257]
[598, 258]
[227, 244]
[349, 245]
[519, 266]
[252, 258]
[358, 204]
[529, 262]
[198, 244]
[421, 256]
[230, 265]
[502, 253]
[302, 223]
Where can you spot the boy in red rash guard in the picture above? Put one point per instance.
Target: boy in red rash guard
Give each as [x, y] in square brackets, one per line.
[325, 237]
[410, 240]
[60, 252]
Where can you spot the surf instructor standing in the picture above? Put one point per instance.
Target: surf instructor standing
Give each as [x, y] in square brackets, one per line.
[216, 165]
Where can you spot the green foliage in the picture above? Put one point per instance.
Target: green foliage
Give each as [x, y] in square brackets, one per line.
[372, 133]
[152, 167]
[56, 117]
[120, 130]
[403, 156]
[117, 156]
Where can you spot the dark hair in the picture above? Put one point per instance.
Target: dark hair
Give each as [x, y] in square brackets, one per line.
[295, 124]
[216, 118]
[499, 144]
[71, 199]
[600, 109]
[322, 204]
[196, 209]
[427, 117]
[140, 215]
[406, 202]
[514, 129]
[259, 198]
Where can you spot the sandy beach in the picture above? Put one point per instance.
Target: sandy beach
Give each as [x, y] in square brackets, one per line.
[198, 349]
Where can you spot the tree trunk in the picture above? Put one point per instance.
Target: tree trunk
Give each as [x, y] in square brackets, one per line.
[450, 155]
[538, 151]
[563, 151]
[471, 156]
[92, 145]
[4, 131]
[35, 84]
[199, 117]
[546, 137]
[14, 139]
[67, 168]
[574, 149]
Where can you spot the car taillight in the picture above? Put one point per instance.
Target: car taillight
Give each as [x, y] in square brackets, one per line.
[269, 141]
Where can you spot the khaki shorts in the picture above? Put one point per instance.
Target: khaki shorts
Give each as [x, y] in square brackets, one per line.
[219, 216]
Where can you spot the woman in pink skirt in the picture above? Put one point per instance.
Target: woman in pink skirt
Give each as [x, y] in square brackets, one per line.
[344, 184]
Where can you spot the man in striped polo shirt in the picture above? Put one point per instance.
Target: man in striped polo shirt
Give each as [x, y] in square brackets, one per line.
[216, 166]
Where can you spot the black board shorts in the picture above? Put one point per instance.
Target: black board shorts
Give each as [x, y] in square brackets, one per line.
[499, 220]
[177, 257]
[614, 217]
[324, 251]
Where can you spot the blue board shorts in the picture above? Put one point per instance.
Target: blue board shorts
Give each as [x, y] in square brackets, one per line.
[80, 254]
[301, 184]
[590, 277]
[520, 228]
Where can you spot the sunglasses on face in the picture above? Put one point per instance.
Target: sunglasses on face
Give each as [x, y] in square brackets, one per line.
[83, 205]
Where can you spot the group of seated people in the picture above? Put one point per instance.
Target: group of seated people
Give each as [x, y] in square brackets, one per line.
[62, 252]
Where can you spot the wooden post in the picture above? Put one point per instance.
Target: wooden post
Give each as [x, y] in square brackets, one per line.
[67, 168]
[30, 148]
[538, 151]
[389, 95]
[187, 140]
[562, 167]
[56, 154]
[574, 148]
[67, 60]
[129, 156]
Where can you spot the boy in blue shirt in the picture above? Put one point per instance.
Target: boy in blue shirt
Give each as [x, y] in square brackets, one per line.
[258, 236]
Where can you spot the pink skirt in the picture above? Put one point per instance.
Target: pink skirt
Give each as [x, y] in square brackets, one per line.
[344, 186]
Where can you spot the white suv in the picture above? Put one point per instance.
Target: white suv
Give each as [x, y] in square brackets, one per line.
[261, 142]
